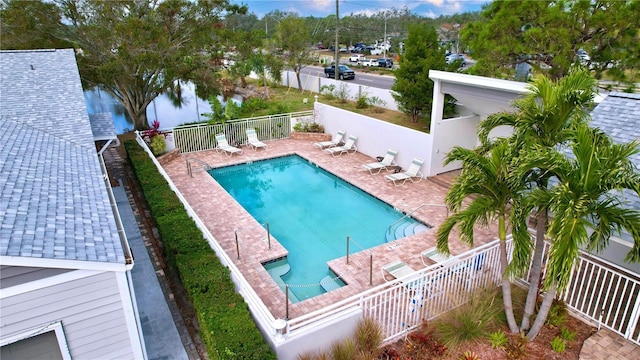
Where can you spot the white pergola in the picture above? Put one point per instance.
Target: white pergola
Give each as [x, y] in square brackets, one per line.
[477, 97]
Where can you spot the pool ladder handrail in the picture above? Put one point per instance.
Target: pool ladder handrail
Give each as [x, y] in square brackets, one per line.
[413, 211]
[204, 165]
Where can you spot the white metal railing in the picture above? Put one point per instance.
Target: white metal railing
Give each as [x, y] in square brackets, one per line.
[603, 292]
[400, 306]
[606, 294]
[200, 137]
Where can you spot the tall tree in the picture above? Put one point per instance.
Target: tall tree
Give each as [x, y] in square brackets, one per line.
[30, 25]
[137, 50]
[293, 38]
[413, 88]
[545, 117]
[585, 203]
[548, 35]
[485, 177]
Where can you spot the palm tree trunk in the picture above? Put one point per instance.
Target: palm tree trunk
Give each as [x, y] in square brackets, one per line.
[542, 313]
[536, 270]
[506, 290]
[506, 283]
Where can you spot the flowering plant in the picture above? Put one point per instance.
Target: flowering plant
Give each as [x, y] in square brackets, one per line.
[154, 131]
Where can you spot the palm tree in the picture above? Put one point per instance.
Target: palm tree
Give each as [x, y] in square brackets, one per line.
[544, 118]
[484, 177]
[584, 199]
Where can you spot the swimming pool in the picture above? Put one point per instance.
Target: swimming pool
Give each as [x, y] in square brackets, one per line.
[310, 212]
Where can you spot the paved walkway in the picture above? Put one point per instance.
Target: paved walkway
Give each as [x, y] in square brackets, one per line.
[165, 334]
[605, 345]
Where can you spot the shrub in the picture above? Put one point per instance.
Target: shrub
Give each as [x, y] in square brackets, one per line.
[558, 344]
[343, 350]
[327, 91]
[567, 334]
[278, 108]
[158, 145]
[423, 341]
[377, 103]
[472, 320]
[362, 102]
[368, 335]
[342, 93]
[557, 314]
[251, 105]
[516, 348]
[226, 326]
[498, 339]
[468, 355]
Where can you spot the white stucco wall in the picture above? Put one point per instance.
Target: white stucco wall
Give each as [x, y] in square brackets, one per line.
[375, 137]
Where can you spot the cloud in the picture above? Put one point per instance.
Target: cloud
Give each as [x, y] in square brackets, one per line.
[437, 3]
[322, 5]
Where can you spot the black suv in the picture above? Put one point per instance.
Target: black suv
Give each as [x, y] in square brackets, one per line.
[387, 63]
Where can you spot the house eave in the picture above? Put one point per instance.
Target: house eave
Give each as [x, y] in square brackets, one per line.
[64, 263]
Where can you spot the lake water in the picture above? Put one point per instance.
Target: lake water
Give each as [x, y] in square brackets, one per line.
[161, 109]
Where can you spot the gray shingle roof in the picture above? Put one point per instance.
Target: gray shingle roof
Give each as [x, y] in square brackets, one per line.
[102, 126]
[618, 115]
[53, 199]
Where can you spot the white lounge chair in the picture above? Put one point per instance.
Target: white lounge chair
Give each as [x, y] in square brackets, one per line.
[252, 139]
[433, 255]
[350, 145]
[388, 160]
[397, 269]
[337, 139]
[224, 146]
[412, 173]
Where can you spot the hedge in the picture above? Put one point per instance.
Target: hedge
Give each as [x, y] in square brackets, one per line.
[226, 326]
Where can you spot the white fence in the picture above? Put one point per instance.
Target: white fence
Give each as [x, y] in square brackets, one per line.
[314, 83]
[598, 290]
[606, 294]
[200, 137]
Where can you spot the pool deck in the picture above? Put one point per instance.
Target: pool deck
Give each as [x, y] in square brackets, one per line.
[223, 216]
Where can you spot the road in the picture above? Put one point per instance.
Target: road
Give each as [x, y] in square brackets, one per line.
[371, 80]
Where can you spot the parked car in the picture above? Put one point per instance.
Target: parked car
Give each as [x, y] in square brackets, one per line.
[369, 62]
[356, 58]
[385, 62]
[344, 72]
[453, 57]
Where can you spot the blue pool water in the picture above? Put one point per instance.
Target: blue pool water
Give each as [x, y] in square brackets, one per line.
[310, 212]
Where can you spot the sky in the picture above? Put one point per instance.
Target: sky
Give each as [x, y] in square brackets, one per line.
[322, 8]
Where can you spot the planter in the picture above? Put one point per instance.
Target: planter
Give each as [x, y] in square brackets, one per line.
[168, 156]
[310, 136]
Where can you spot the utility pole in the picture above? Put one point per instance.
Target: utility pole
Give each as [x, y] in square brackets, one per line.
[337, 45]
[384, 41]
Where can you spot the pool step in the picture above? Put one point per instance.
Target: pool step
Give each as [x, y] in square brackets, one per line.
[404, 229]
[279, 270]
[329, 283]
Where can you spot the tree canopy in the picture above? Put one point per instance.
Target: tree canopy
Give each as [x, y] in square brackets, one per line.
[413, 88]
[548, 35]
[137, 50]
[293, 38]
[30, 25]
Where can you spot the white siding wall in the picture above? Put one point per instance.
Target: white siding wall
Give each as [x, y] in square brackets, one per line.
[90, 309]
[16, 275]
